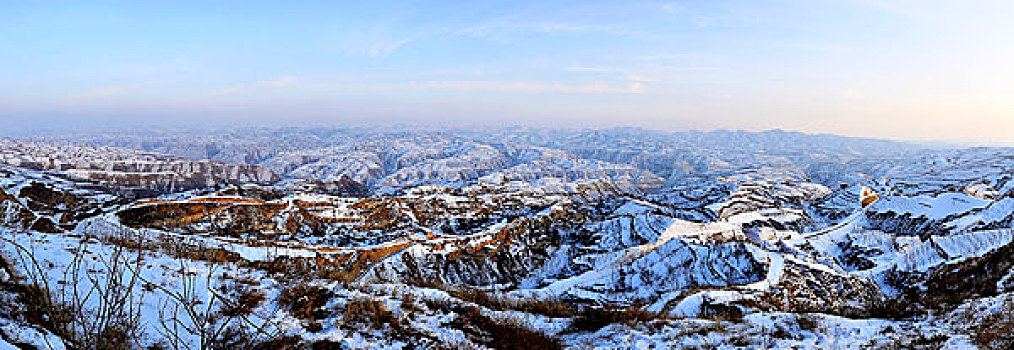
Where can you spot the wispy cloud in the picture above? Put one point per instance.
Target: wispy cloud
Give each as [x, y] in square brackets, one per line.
[502, 31]
[525, 87]
[592, 69]
[381, 37]
[670, 56]
[114, 90]
[825, 47]
[284, 80]
[703, 21]
[384, 48]
[641, 78]
[240, 89]
[624, 74]
[495, 86]
[584, 28]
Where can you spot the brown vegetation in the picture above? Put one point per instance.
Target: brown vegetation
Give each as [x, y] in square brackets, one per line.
[307, 302]
[245, 300]
[591, 319]
[976, 277]
[504, 334]
[996, 330]
[369, 312]
[552, 307]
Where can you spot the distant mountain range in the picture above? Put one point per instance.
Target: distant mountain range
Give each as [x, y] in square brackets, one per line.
[617, 238]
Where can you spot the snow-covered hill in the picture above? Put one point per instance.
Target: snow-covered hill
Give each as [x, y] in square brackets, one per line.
[619, 238]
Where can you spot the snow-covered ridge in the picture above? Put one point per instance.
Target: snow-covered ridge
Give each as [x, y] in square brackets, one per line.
[726, 239]
[128, 168]
[384, 158]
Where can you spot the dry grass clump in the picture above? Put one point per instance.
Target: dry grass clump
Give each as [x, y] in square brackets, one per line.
[306, 302]
[592, 319]
[307, 268]
[553, 307]
[98, 302]
[496, 333]
[112, 321]
[808, 322]
[996, 330]
[244, 300]
[177, 248]
[369, 312]
[503, 334]
[288, 342]
[39, 308]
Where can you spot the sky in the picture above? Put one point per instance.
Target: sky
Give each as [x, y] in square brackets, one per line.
[907, 70]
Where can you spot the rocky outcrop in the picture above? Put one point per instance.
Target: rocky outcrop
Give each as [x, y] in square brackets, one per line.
[806, 288]
[172, 176]
[47, 204]
[503, 256]
[976, 277]
[15, 214]
[922, 216]
[771, 197]
[124, 169]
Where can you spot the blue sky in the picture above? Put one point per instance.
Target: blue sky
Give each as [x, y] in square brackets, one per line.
[897, 69]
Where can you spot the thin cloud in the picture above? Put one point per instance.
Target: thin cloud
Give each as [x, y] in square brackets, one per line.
[583, 28]
[825, 47]
[670, 56]
[640, 78]
[496, 31]
[624, 74]
[703, 21]
[592, 69]
[285, 80]
[384, 48]
[114, 90]
[525, 87]
[495, 86]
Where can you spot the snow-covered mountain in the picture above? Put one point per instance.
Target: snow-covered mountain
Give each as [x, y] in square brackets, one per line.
[622, 238]
[128, 169]
[385, 159]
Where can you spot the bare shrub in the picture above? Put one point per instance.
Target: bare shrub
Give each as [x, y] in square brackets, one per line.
[306, 302]
[223, 321]
[96, 301]
[102, 313]
[592, 319]
[369, 312]
[551, 307]
[808, 322]
[996, 330]
[505, 333]
[244, 299]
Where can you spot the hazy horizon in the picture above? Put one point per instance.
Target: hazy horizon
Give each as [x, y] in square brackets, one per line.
[898, 70]
[46, 133]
